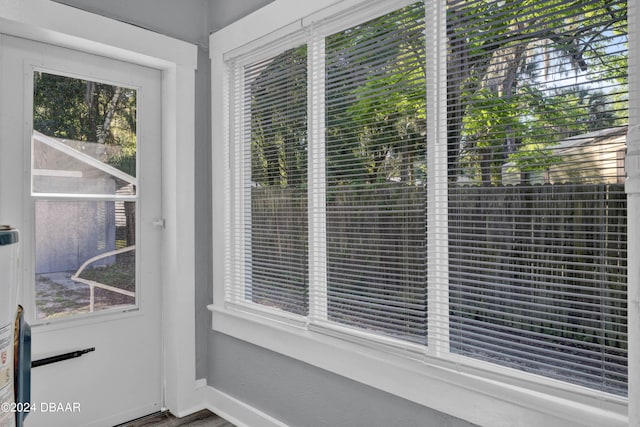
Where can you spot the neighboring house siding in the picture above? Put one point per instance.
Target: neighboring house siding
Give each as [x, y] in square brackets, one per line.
[69, 233]
[596, 157]
[56, 251]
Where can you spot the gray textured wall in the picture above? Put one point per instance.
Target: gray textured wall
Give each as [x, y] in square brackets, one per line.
[182, 19]
[203, 270]
[302, 395]
[224, 12]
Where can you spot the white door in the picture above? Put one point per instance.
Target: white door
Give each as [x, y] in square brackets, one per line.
[80, 156]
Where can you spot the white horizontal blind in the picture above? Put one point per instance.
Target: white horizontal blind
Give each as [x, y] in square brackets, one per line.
[537, 115]
[274, 180]
[375, 175]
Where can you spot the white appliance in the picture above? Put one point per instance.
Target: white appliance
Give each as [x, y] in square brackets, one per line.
[11, 409]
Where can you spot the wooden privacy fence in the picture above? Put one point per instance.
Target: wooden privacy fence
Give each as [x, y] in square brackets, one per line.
[538, 278]
[538, 256]
[375, 248]
[544, 260]
[278, 250]
[376, 258]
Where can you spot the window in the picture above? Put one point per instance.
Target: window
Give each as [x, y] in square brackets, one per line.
[375, 133]
[461, 201]
[537, 217]
[273, 170]
[84, 192]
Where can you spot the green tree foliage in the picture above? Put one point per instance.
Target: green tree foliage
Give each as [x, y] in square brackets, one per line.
[504, 57]
[83, 110]
[278, 108]
[380, 132]
[521, 75]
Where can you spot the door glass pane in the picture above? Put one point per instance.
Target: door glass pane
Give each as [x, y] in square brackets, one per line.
[62, 166]
[84, 139]
[85, 256]
[84, 185]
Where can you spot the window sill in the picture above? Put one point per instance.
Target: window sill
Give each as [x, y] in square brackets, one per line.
[481, 394]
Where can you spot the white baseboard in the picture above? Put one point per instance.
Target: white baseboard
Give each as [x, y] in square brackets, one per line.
[236, 411]
[192, 403]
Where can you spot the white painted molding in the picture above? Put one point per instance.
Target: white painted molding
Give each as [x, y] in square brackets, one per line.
[55, 23]
[236, 411]
[477, 394]
[632, 187]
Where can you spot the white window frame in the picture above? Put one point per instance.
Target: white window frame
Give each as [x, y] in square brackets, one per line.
[472, 390]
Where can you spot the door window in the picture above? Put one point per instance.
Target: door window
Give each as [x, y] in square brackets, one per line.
[83, 182]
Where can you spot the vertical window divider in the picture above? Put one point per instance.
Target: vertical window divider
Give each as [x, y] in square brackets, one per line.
[229, 218]
[245, 117]
[437, 227]
[317, 182]
[240, 282]
[632, 188]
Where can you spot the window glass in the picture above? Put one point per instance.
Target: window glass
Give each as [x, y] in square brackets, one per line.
[537, 120]
[83, 176]
[375, 171]
[84, 139]
[275, 105]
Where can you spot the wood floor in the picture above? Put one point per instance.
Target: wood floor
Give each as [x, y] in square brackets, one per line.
[165, 419]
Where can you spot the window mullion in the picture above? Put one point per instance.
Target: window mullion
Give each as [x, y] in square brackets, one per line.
[317, 181]
[437, 217]
[229, 150]
[241, 245]
[632, 189]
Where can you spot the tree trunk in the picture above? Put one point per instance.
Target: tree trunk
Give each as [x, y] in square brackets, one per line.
[130, 215]
[91, 102]
[106, 127]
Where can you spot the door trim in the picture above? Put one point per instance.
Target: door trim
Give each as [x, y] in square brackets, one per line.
[53, 23]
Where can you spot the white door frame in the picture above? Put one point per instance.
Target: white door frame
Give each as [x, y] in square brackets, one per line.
[49, 22]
